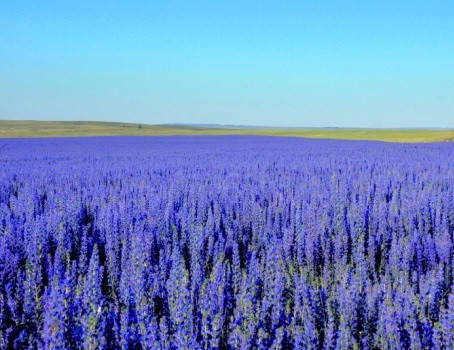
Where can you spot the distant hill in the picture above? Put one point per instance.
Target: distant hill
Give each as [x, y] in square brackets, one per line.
[29, 128]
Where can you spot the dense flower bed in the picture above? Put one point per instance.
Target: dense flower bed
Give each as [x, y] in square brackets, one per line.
[225, 242]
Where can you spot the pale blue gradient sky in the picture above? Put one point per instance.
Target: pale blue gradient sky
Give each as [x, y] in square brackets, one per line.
[282, 63]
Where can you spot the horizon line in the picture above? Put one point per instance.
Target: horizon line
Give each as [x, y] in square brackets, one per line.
[226, 125]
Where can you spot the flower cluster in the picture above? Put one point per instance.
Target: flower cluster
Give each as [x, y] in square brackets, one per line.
[226, 242]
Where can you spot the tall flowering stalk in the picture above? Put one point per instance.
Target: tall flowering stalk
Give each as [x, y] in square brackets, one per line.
[226, 242]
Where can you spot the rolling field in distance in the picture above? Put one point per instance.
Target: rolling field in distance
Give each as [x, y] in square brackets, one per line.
[15, 128]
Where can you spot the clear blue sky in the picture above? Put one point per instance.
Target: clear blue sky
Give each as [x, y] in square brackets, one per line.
[288, 63]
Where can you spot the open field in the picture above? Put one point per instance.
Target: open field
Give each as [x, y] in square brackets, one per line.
[225, 242]
[13, 128]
